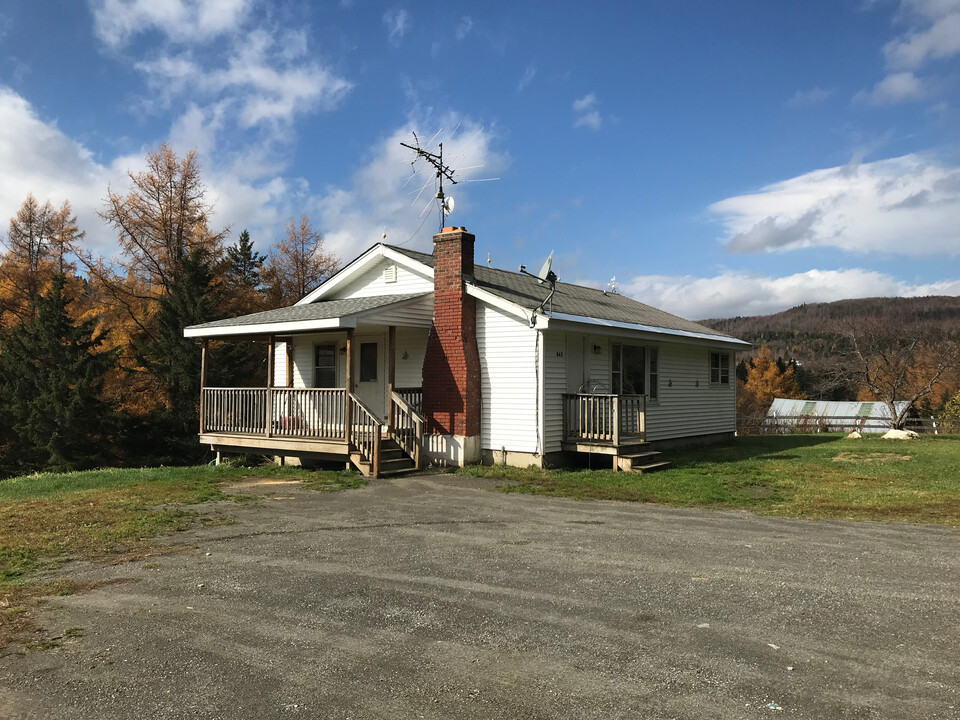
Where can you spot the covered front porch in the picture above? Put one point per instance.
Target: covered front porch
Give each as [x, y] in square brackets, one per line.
[331, 388]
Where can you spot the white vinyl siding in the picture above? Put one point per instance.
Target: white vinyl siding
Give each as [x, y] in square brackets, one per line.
[413, 342]
[373, 282]
[414, 313]
[688, 403]
[597, 362]
[509, 383]
[554, 384]
[279, 365]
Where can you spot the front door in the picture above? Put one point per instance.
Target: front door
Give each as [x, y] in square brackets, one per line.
[370, 371]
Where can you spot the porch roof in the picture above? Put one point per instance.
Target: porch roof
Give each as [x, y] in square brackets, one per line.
[322, 315]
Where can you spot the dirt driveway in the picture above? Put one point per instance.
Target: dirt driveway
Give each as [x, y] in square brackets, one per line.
[424, 597]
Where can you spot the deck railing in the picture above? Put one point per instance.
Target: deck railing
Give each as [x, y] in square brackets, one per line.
[234, 410]
[413, 396]
[292, 412]
[307, 412]
[604, 418]
[365, 433]
[407, 429]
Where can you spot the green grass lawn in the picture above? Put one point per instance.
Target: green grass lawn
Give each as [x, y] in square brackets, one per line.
[809, 476]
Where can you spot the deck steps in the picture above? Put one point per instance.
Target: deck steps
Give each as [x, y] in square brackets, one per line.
[639, 459]
[393, 460]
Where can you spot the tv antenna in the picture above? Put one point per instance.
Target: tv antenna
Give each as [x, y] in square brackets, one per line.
[547, 275]
[443, 172]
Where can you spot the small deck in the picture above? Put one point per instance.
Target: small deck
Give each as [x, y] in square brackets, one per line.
[614, 425]
[603, 423]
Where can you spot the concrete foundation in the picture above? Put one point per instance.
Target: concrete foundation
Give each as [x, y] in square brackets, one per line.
[452, 450]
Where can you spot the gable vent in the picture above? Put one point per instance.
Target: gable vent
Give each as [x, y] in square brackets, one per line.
[390, 274]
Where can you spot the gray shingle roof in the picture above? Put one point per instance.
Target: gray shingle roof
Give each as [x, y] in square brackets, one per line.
[323, 310]
[526, 292]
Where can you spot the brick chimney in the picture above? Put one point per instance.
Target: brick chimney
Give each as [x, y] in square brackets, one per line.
[451, 367]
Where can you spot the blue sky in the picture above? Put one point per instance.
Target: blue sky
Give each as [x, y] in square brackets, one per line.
[716, 158]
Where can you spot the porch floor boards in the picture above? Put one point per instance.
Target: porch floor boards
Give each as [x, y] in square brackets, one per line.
[252, 441]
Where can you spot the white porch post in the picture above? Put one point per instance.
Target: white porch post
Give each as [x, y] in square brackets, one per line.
[203, 380]
[347, 407]
[270, 373]
[391, 373]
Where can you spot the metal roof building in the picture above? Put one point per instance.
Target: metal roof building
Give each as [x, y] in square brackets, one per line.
[832, 416]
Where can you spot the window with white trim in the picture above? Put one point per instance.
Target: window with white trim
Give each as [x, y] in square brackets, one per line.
[634, 370]
[719, 368]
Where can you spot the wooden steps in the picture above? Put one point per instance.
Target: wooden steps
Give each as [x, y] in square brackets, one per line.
[639, 458]
[393, 460]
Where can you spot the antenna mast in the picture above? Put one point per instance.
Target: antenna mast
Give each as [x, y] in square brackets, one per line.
[443, 171]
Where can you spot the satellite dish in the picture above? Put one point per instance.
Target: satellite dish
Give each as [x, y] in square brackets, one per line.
[448, 205]
[545, 270]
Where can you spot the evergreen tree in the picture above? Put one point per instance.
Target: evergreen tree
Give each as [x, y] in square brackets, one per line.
[241, 363]
[189, 299]
[51, 380]
[245, 264]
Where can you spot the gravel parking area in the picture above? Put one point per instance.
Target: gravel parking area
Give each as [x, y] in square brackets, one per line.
[434, 597]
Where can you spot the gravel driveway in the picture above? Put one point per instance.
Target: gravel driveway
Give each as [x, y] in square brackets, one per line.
[434, 597]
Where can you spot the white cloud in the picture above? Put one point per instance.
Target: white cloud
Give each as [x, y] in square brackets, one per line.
[894, 88]
[382, 194]
[464, 27]
[528, 74]
[935, 34]
[586, 112]
[51, 166]
[54, 167]
[807, 98]
[257, 75]
[739, 293]
[907, 205]
[116, 22]
[397, 21]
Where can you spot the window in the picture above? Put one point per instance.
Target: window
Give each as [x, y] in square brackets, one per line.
[634, 370]
[325, 365]
[720, 368]
[368, 362]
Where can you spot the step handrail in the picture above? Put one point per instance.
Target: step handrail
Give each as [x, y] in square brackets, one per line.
[365, 432]
[407, 429]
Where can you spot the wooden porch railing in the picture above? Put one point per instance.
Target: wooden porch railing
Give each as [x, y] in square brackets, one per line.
[234, 410]
[307, 412]
[365, 432]
[407, 429]
[293, 412]
[604, 418]
[315, 414]
[413, 396]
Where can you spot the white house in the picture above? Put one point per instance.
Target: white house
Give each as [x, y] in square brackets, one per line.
[404, 356]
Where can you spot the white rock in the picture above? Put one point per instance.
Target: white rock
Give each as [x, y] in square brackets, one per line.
[900, 435]
[855, 435]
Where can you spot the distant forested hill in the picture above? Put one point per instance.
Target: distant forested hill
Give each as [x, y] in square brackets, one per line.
[808, 332]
